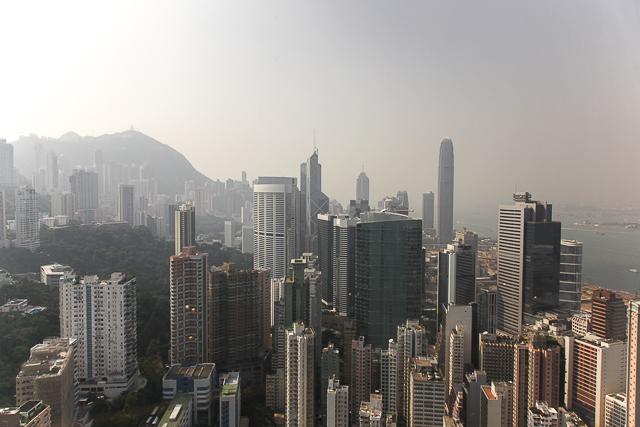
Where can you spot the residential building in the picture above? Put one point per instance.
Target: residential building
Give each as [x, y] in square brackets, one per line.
[581, 323]
[275, 240]
[570, 275]
[185, 227]
[247, 239]
[473, 390]
[615, 410]
[445, 192]
[51, 275]
[229, 233]
[33, 413]
[3, 221]
[456, 276]
[230, 400]
[337, 398]
[189, 311]
[239, 311]
[299, 377]
[412, 343]
[126, 206]
[101, 316]
[633, 365]
[388, 274]
[608, 315]
[599, 369]
[497, 356]
[52, 172]
[390, 378]
[360, 386]
[543, 415]
[6, 163]
[455, 361]
[296, 294]
[528, 254]
[496, 405]
[26, 213]
[196, 381]
[84, 187]
[362, 186]
[275, 390]
[427, 394]
[371, 414]
[48, 376]
[487, 298]
[63, 204]
[330, 367]
[427, 211]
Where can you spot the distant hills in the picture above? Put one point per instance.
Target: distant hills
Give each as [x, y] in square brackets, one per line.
[166, 165]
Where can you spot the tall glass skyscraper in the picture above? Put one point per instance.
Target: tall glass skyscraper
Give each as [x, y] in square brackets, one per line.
[445, 192]
[362, 187]
[388, 274]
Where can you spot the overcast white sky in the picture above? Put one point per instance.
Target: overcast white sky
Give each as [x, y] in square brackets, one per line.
[544, 94]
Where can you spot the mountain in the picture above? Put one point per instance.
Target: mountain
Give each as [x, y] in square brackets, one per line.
[170, 168]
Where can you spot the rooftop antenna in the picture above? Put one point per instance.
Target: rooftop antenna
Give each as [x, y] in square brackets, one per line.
[315, 150]
[362, 166]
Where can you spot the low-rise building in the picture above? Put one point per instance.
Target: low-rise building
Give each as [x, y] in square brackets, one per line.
[33, 413]
[52, 274]
[196, 380]
[179, 413]
[615, 410]
[230, 400]
[16, 305]
[542, 415]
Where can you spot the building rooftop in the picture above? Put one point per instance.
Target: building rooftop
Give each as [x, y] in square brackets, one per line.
[176, 410]
[195, 372]
[489, 392]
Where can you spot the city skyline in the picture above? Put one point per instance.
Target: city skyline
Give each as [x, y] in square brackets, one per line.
[563, 81]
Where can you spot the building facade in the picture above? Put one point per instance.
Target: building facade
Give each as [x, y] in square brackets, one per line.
[427, 211]
[27, 223]
[299, 377]
[362, 187]
[445, 192]
[570, 275]
[185, 227]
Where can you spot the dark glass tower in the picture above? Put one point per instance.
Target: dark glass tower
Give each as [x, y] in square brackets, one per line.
[456, 276]
[445, 192]
[528, 261]
[388, 274]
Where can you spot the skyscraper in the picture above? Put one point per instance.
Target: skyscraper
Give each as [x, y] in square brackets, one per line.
[427, 210]
[445, 192]
[101, 316]
[274, 224]
[84, 186]
[325, 255]
[360, 387]
[189, 313]
[344, 265]
[6, 162]
[608, 315]
[456, 277]
[633, 365]
[388, 274]
[52, 172]
[570, 274]
[337, 403]
[362, 187]
[3, 221]
[27, 224]
[528, 261]
[185, 227]
[317, 201]
[125, 203]
[300, 374]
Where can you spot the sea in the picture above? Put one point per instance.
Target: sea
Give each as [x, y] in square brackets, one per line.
[607, 257]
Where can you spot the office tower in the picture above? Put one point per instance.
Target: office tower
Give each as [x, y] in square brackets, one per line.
[295, 294]
[247, 239]
[599, 369]
[487, 298]
[362, 187]
[388, 274]
[84, 187]
[330, 367]
[125, 203]
[300, 371]
[196, 382]
[274, 224]
[456, 276]
[3, 220]
[27, 224]
[325, 254]
[389, 378]
[570, 275]
[542, 415]
[52, 172]
[528, 261]
[239, 307]
[633, 365]
[229, 233]
[473, 382]
[301, 212]
[427, 211]
[230, 400]
[412, 343]
[536, 374]
[101, 316]
[6, 163]
[344, 265]
[360, 387]
[497, 356]
[608, 315]
[337, 398]
[62, 204]
[404, 198]
[48, 376]
[185, 227]
[317, 202]
[189, 314]
[445, 192]
[455, 361]
[615, 410]
[427, 394]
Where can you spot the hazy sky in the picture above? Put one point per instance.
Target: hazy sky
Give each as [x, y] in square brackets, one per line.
[544, 95]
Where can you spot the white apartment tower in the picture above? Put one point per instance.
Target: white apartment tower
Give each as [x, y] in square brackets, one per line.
[615, 410]
[6, 162]
[3, 220]
[274, 224]
[455, 361]
[337, 403]
[101, 316]
[389, 378]
[126, 197]
[299, 377]
[27, 223]
[633, 365]
[412, 343]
